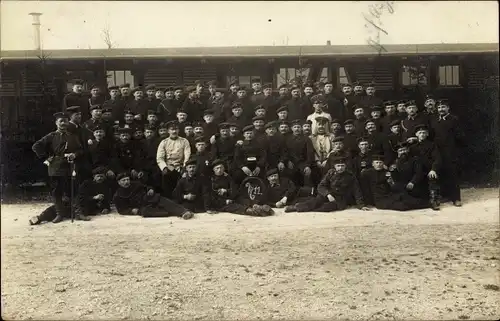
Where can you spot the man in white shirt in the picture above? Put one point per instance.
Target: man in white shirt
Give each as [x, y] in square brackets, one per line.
[172, 155]
[319, 103]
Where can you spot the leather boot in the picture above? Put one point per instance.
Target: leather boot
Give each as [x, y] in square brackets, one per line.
[81, 217]
[59, 218]
[290, 208]
[434, 197]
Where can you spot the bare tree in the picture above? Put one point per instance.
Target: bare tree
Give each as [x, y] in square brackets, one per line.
[106, 36]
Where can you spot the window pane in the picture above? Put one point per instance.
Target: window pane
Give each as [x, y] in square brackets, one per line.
[244, 80]
[324, 73]
[442, 76]
[405, 78]
[456, 75]
[342, 72]
[291, 74]
[129, 78]
[110, 75]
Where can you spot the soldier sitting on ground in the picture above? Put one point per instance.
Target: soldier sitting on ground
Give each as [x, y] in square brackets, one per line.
[94, 195]
[281, 190]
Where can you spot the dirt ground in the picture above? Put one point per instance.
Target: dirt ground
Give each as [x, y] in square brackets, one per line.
[346, 265]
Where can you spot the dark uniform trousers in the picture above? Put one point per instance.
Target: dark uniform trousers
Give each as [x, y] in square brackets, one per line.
[61, 187]
[163, 208]
[319, 204]
[169, 181]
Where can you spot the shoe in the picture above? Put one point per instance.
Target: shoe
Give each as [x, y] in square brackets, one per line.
[57, 219]
[80, 217]
[35, 220]
[290, 208]
[188, 215]
[267, 210]
[251, 211]
[457, 203]
[435, 206]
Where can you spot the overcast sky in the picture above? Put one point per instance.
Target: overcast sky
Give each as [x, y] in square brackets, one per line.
[75, 24]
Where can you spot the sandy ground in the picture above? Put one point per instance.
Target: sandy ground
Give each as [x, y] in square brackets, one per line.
[346, 265]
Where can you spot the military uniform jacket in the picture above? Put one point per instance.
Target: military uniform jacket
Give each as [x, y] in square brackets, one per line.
[89, 188]
[248, 110]
[359, 125]
[368, 101]
[362, 162]
[381, 190]
[408, 169]
[448, 136]
[214, 201]
[335, 108]
[149, 150]
[127, 157]
[243, 154]
[276, 150]
[138, 107]
[240, 121]
[81, 100]
[344, 154]
[210, 129]
[271, 104]
[224, 150]
[428, 153]
[390, 151]
[386, 121]
[152, 103]
[135, 196]
[117, 106]
[409, 123]
[167, 110]
[190, 185]
[53, 146]
[203, 161]
[257, 98]
[96, 100]
[377, 142]
[284, 188]
[351, 144]
[297, 109]
[342, 186]
[101, 153]
[300, 151]
[194, 109]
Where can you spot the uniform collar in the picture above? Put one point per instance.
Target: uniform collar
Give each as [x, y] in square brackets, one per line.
[411, 117]
[444, 117]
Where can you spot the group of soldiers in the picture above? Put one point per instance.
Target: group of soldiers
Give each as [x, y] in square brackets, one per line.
[199, 148]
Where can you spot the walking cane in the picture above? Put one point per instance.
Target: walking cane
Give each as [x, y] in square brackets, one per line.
[73, 176]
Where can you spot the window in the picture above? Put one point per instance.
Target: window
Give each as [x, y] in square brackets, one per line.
[324, 74]
[288, 74]
[343, 76]
[449, 76]
[243, 80]
[411, 76]
[120, 77]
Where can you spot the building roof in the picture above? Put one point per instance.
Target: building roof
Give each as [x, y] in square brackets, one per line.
[253, 51]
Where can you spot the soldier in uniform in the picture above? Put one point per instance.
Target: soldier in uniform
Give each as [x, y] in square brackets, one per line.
[238, 117]
[221, 192]
[281, 191]
[335, 107]
[173, 153]
[321, 141]
[407, 173]
[336, 191]
[115, 103]
[448, 138]
[430, 157]
[210, 126]
[77, 98]
[75, 126]
[138, 105]
[308, 94]
[284, 128]
[401, 109]
[307, 128]
[350, 138]
[259, 130]
[94, 195]
[193, 105]
[95, 119]
[369, 99]
[249, 157]
[189, 190]
[134, 198]
[260, 111]
[125, 93]
[283, 95]
[151, 101]
[223, 146]
[149, 149]
[269, 103]
[275, 146]
[348, 100]
[129, 121]
[385, 192]
[202, 156]
[393, 139]
[390, 116]
[301, 155]
[412, 120]
[257, 96]
[96, 98]
[152, 119]
[360, 120]
[376, 117]
[358, 92]
[127, 155]
[182, 121]
[246, 105]
[160, 93]
[60, 149]
[167, 108]
[100, 151]
[297, 109]
[318, 102]
[376, 139]
[178, 97]
[282, 113]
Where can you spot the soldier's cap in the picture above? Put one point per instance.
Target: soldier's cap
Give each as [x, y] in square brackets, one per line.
[181, 111]
[187, 124]
[339, 160]
[259, 107]
[258, 118]
[160, 89]
[346, 85]
[200, 139]
[248, 128]
[122, 176]
[377, 158]
[234, 125]
[224, 126]
[255, 81]
[349, 122]
[294, 87]
[169, 89]
[198, 124]
[163, 126]
[123, 130]
[369, 121]
[113, 88]
[429, 96]
[97, 127]
[338, 139]
[149, 127]
[77, 82]
[401, 102]
[376, 108]
[442, 102]
[356, 83]
[151, 87]
[321, 119]
[126, 85]
[173, 124]
[73, 110]
[101, 170]
[267, 86]
[152, 112]
[328, 82]
[128, 112]
[94, 87]
[282, 108]
[191, 161]
[234, 83]
[389, 103]
[356, 107]
[318, 99]
[299, 122]
[199, 82]
[286, 122]
[336, 121]
[319, 84]
[242, 88]
[362, 139]
[96, 106]
[236, 104]
[190, 89]
[402, 145]
[178, 88]
[217, 162]
[308, 84]
[272, 171]
[270, 124]
[411, 103]
[208, 112]
[60, 115]
[421, 127]
[136, 89]
[212, 83]
[395, 122]
[370, 84]
[283, 86]
[308, 122]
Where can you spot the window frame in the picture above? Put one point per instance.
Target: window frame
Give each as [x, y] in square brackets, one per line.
[412, 82]
[449, 74]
